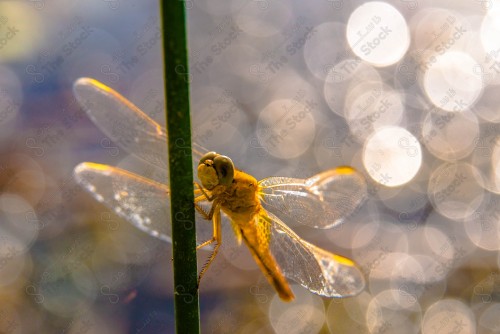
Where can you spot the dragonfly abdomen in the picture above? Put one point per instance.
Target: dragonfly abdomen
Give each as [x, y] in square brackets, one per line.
[256, 234]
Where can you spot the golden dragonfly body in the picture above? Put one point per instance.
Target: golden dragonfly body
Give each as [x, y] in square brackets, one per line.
[239, 200]
[254, 208]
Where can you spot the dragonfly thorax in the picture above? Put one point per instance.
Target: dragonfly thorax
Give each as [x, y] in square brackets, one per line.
[240, 198]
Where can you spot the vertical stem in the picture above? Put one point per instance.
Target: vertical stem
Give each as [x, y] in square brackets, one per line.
[180, 163]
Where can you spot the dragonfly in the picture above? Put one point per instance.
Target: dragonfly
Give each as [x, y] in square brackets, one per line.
[256, 209]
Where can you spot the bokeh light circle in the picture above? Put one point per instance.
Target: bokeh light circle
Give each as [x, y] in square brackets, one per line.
[13, 261]
[378, 33]
[19, 222]
[373, 109]
[377, 240]
[436, 30]
[439, 245]
[65, 288]
[454, 191]
[286, 128]
[322, 52]
[490, 30]
[305, 313]
[452, 82]
[485, 156]
[483, 227]
[12, 320]
[24, 33]
[450, 136]
[444, 316]
[347, 78]
[347, 315]
[385, 314]
[495, 163]
[397, 272]
[489, 322]
[392, 156]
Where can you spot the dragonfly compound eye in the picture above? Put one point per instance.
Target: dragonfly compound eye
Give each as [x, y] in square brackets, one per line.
[209, 156]
[225, 169]
[206, 171]
[215, 169]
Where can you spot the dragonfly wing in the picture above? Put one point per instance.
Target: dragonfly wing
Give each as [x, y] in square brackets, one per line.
[290, 199]
[319, 271]
[321, 201]
[122, 121]
[143, 202]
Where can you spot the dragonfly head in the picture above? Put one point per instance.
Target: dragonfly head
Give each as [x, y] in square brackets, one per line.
[215, 169]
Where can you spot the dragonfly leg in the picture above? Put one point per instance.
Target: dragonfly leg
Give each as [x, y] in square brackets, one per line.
[205, 214]
[200, 188]
[216, 220]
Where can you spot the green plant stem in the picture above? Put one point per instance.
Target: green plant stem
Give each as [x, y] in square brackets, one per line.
[187, 318]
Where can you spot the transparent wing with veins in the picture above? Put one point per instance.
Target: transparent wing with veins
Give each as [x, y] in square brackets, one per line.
[124, 123]
[141, 201]
[321, 201]
[319, 271]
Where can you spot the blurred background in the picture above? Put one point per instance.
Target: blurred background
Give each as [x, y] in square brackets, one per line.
[405, 91]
